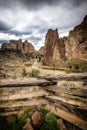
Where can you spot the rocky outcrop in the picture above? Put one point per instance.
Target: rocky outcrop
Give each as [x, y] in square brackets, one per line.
[54, 47]
[73, 46]
[76, 42]
[51, 41]
[36, 119]
[59, 50]
[41, 50]
[24, 47]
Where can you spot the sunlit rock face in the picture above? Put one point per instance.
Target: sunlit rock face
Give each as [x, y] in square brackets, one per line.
[19, 45]
[72, 46]
[76, 42]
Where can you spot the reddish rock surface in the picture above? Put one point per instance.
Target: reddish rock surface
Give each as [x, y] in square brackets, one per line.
[28, 47]
[36, 119]
[28, 125]
[76, 43]
[19, 45]
[51, 41]
[73, 46]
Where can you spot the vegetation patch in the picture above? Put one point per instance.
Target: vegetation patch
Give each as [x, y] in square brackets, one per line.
[77, 65]
[34, 73]
[50, 123]
[49, 120]
[57, 64]
[24, 73]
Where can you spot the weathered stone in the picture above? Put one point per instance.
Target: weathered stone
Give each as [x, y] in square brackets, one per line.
[61, 124]
[28, 47]
[76, 42]
[73, 46]
[24, 47]
[28, 125]
[36, 119]
[51, 41]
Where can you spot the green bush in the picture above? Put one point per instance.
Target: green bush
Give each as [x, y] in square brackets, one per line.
[12, 122]
[50, 123]
[77, 65]
[17, 123]
[34, 73]
[24, 73]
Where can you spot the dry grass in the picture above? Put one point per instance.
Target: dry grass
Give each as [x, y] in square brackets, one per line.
[14, 71]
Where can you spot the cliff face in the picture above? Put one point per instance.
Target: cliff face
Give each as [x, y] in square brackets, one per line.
[54, 47]
[73, 46]
[51, 41]
[77, 41]
[24, 47]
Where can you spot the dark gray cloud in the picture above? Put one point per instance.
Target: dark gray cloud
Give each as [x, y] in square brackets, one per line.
[35, 4]
[19, 33]
[4, 27]
[34, 39]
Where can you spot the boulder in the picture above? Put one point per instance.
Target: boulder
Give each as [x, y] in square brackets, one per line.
[61, 124]
[28, 125]
[36, 119]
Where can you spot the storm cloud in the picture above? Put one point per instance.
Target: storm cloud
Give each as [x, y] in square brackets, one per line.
[30, 19]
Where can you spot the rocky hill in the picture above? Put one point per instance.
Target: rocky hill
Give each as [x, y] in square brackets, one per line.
[24, 47]
[73, 46]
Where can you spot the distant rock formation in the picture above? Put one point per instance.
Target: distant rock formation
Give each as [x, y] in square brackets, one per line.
[41, 50]
[24, 47]
[73, 46]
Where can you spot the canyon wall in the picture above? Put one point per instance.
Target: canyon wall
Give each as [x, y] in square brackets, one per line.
[73, 46]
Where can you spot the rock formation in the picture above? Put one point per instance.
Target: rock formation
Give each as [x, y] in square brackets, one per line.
[24, 47]
[36, 119]
[41, 50]
[76, 42]
[28, 125]
[51, 41]
[73, 46]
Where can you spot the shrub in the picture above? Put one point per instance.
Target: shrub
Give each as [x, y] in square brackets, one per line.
[77, 65]
[50, 123]
[24, 73]
[57, 64]
[28, 64]
[34, 73]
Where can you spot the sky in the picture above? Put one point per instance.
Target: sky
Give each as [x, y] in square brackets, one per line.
[30, 19]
